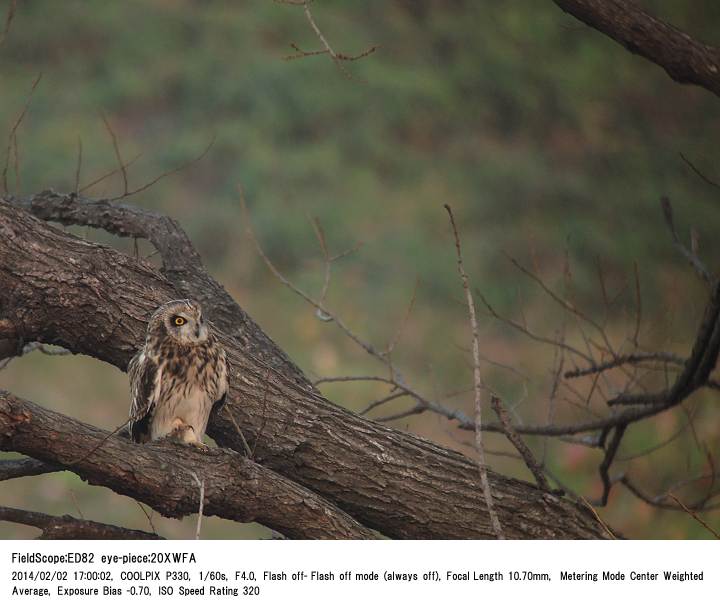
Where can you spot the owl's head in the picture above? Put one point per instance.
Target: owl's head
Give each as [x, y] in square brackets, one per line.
[183, 321]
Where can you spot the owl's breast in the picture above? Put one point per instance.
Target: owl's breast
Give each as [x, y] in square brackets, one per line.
[187, 393]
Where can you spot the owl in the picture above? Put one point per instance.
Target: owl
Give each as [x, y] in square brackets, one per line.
[178, 377]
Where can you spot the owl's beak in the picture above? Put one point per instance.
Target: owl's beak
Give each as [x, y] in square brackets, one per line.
[201, 331]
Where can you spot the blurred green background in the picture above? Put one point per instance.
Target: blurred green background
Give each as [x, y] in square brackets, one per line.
[546, 138]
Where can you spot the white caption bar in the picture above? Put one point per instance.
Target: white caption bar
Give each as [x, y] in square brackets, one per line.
[340, 573]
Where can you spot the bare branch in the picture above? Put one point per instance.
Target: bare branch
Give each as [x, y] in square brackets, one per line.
[338, 58]
[610, 453]
[19, 468]
[638, 305]
[9, 16]
[178, 169]
[691, 257]
[630, 358]
[13, 131]
[687, 510]
[379, 402]
[477, 379]
[518, 443]
[67, 527]
[109, 174]
[524, 330]
[597, 517]
[78, 166]
[684, 59]
[201, 501]
[699, 173]
[116, 147]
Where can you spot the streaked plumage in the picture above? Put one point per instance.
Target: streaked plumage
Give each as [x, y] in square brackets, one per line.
[178, 377]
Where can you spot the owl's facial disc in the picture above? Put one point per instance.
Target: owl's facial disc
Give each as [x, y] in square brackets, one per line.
[187, 326]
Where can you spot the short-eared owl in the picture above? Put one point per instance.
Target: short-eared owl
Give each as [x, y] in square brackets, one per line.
[178, 377]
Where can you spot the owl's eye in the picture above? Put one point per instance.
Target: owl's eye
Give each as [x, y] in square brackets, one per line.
[179, 321]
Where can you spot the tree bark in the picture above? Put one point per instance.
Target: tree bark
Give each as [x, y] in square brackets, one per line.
[166, 476]
[59, 289]
[67, 527]
[19, 468]
[684, 59]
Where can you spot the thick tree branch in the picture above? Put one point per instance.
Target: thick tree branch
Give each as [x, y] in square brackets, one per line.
[162, 474]
[391, 481]
[182, 265]
[684, 59]
[67, 527]
[19, 468]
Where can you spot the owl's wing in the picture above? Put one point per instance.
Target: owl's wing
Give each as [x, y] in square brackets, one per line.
[144, 387]
[222, 383]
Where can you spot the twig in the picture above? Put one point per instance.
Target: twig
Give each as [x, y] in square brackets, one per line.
[338, 58]
[477, 381]
[660, 501]
[76, 504]
[699, 173]
[607, 462]
[280, 277]
[419, 408]
[201, 486]
[518, 443]
[116, 147]
[638, 305]
[694, 515]
[565, 304]
[328, 260]
[379, 402]
[597, 517]
[170, 172]
[401, 328]
[245, 444]
[345, 379]
[13, 131]
[109, 174]
[694, 261]
[536, 337]
[78, 167]
[148, 516]
[396, 377]
[341, 56]
[630, 358]
[8, 21]
[98, 445]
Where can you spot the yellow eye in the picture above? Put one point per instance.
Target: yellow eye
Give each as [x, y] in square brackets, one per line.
[179, 321]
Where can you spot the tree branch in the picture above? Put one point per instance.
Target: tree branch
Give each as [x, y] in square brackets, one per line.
[182, 265]
[685, 59]
[391, 481]
[162, 474]
[67, 527]
[19, 468]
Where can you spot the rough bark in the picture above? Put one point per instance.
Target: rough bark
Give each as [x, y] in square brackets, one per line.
[182, 265]
[58, 289]
[684, 59]
[163, 474]
[67, 527]
[19, 468]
